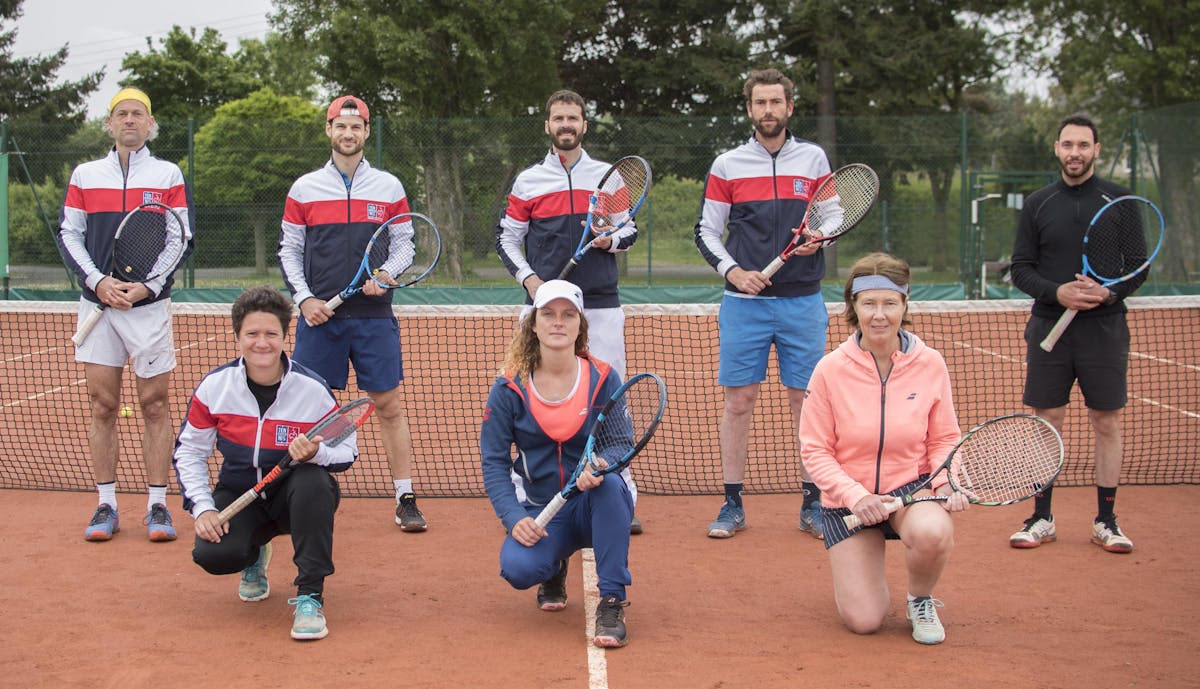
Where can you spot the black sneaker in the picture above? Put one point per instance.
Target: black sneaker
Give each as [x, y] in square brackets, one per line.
[408, 516]
[552, 593]
[610, 623]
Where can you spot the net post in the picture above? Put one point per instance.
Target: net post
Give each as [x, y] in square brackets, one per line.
[4, 274]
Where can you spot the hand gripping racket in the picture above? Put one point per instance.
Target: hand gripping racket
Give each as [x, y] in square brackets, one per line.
[624, 426]
[333, 429]
[1117, 247]
[620, 195]
[402, 252]
[1001, 461]
[147, 246]
[839, 203]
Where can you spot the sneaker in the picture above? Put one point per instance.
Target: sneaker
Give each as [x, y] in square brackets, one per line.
[610, 623]
[552, 593]
[308, 621]
[635, 526]
[408, 516]
[1035, 532]
[729, 521]
[1107, 535]
[158, 523]
[105, 522]
[813, 521]
[254, 586]
[927, 628]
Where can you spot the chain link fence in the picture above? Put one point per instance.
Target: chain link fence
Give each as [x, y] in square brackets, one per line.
[951, 188]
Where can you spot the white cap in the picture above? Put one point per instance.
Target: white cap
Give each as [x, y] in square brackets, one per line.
[558, 289]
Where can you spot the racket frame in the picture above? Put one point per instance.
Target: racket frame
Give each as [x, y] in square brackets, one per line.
[359, 281]
[589, 236]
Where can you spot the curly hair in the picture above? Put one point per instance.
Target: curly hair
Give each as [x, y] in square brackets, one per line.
[524, 353]
[264, 299]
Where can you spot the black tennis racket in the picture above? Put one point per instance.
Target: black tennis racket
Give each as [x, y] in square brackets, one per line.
[1122, 239]
[147, 246]
[624, 426]
[620, 195]
[402, 252]
[333, 429]
[839, 203]
[1001, 461]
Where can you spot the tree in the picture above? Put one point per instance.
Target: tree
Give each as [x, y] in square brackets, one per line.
[28, 86]
[247, 157]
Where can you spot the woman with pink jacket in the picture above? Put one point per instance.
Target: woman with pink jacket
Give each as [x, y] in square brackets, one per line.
[878, 419]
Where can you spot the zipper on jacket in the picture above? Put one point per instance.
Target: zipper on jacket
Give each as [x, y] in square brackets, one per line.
[882, 424]
[562, 474]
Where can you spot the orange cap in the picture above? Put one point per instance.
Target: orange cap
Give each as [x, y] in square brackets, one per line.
[348, 106]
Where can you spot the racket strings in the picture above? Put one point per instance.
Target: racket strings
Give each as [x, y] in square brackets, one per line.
[630, 422]
[147, 245]
[1007, 460]
[620, 191]
[404, 249]
[843, 200]
[1117, 241]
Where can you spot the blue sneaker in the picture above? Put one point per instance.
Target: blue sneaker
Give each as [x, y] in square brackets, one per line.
[308, 621]
[105, 522]
[729, 521]
[813, 521]
[254, 585]
[158, 523]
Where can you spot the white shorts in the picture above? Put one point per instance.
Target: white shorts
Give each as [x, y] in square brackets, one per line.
[142, 336]
[606, 335]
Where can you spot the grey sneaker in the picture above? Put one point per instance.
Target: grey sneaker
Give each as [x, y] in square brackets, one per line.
[408, 516]
[729, 521]
[813, 521]
[552, 593]
[254, 586]
[927, 628]
[1108, 535]
[1035, 532]
[610, 623]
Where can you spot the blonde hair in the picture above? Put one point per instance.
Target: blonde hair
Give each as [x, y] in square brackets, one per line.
[524, 353]
[887, 265]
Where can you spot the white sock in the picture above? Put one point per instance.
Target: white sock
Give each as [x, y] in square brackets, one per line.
[403, 485]
[158, 496]
[108, 493]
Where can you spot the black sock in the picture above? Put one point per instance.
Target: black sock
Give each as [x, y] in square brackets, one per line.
[811, 493]
[1041, 503]
[1106, 499]
[733, 494]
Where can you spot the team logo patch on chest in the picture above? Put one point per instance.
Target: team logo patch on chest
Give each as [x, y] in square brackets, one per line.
[152, 197]
[284, 435]
[798, 187]
[375, 211]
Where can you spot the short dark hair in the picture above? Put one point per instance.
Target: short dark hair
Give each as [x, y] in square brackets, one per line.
[261, 299]
[1079, 120]
[768, 77]
[566, 96]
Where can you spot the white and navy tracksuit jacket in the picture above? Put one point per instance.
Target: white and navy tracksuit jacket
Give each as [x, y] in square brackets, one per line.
[327, 223]
[99, 196]
[540, 228]
[224, 411]
[761, 197]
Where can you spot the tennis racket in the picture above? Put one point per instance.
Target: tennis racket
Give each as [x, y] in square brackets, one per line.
[620, 195]
[624, 426]
[1116, 247]
[1001, 461]
[147, 246]
[839, 203]
[402, 252]
[333, 429]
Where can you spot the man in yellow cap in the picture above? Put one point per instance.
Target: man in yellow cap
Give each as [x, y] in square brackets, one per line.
[137, 327]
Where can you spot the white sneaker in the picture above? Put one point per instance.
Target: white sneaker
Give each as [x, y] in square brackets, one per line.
[927, 628]
[1107, 535]
[1035, 532]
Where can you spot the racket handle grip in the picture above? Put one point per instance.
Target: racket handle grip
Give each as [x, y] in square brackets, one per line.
[567, 269]
[86, 327]
[237, 506]
[852, 521]
[335, 302]
[1058, 329]
[773, 267]
[550, 510]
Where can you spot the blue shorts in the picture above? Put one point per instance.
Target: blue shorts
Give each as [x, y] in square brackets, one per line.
[750, 325]
[371, 344]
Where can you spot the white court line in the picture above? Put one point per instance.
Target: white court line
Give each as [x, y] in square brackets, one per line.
[597, 664]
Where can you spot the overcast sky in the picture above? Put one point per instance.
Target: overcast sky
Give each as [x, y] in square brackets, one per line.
[99, 34]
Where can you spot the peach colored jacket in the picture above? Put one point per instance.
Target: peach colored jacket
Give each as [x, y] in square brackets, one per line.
[860, 435]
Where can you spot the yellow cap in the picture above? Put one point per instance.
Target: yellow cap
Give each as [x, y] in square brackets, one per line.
[130, 93]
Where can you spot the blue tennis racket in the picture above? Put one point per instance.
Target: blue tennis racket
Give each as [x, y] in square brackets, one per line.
[624, 426]
[402, 252]
[619, 196]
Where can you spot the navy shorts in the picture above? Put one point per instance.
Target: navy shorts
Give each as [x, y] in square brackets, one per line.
[1094, 351]
[371, 344]
[835, 528]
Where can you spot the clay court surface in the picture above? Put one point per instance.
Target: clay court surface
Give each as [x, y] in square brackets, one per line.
[429, 610]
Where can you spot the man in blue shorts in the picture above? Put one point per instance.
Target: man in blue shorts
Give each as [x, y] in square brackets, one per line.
[759, 191]
[329, 216]
[1094, 350]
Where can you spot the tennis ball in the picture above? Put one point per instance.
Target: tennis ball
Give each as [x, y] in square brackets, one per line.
[126, 411]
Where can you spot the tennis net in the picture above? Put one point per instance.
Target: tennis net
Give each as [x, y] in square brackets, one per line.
[451, 357]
